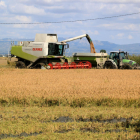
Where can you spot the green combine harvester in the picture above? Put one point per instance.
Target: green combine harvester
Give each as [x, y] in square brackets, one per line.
[47, 53]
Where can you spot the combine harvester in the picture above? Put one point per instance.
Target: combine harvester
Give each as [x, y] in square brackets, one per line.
[47, 52]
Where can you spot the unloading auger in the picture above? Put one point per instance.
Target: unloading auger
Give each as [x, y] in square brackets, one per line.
[92, 49]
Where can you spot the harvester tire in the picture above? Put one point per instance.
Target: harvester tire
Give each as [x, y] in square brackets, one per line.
[39, 65]
[109, 65]
[20, 65]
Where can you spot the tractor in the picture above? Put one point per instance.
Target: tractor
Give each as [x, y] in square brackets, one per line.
[120, 60]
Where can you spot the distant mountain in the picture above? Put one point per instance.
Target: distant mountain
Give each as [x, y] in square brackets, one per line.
[5, 39]
[83, 46]
[131, 48]
[80, 45]
[5, 44]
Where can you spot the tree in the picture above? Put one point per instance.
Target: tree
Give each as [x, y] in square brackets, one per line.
[104, 51]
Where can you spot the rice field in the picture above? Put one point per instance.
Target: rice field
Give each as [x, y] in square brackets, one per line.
[81, 84]
[69, 104]
[69, 84]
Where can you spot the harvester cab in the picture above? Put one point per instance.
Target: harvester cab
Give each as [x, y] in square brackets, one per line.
[121, 60]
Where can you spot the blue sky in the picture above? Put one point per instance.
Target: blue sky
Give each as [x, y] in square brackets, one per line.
[122, 30]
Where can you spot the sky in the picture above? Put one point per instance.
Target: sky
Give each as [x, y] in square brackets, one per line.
[121, 30]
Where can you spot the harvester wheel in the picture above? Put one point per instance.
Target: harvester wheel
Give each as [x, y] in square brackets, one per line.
[20, 65]
[57, 66]
[49, 66]
[89, 65]
[80, 65]
[66, 65]
[39, 65]
[73, 65]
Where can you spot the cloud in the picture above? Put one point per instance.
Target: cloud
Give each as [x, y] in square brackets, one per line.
[117, 1]
[89, 32]
[23, 19]
[62, 9]
[130, 37]
[96, 32]
[105, 7]
[5, 18]
[90, 1]
[70, 10]
[120, 35]
[2, 4]
[121, 26]
[24, 9]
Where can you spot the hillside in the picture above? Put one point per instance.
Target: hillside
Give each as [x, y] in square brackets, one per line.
[80, 45]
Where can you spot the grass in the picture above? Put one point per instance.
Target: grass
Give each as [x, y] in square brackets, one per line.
[135, 58]
[75, 135]
[38, 119]
[48, 102]
[5, 63]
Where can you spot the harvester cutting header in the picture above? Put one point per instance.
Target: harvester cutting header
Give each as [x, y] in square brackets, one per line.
[46, 52]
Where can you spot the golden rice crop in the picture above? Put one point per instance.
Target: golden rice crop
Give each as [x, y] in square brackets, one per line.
[3, 61]
[79, 83]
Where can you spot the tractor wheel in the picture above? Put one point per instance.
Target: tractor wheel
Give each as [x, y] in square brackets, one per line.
[134, 66]
[20, 65]
[39, 65]
[126, 66]
[109, 65]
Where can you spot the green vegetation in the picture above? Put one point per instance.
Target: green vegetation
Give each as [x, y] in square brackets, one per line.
[70, 59]
[42, 120]
[11, 63]
[72, 102]
[104, 51]
[135, 58]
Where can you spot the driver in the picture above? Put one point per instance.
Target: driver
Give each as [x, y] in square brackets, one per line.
[116, 56]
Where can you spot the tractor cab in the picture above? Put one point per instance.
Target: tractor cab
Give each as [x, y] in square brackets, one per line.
[118, 57]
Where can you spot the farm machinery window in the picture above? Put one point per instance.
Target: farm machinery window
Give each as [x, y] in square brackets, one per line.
[122, 56]
[55, 49]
